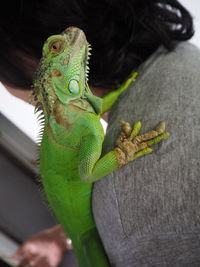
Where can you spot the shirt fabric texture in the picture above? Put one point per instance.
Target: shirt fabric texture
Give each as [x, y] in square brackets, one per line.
[148, 212]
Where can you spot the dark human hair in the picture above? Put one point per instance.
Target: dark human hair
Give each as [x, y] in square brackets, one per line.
[123, 34]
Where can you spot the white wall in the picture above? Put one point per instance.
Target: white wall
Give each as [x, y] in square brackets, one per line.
[19, 112]
[22, 114]
[194, 7]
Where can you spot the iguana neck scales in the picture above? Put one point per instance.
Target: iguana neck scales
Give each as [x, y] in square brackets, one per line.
[72, 137]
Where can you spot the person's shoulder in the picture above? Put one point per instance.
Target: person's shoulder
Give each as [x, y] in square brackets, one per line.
[183, 61]
[183, 50]
[171, 71]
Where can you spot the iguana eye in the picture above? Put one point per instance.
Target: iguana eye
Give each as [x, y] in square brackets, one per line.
[56, 46]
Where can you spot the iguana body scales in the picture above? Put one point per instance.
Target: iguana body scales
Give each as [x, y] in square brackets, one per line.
[72, 137]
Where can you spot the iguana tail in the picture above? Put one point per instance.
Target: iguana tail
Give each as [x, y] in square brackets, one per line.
[91, 253]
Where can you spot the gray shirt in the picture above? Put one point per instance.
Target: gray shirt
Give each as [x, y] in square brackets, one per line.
[148, 212]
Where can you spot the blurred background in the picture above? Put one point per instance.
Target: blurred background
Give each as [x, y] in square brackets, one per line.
[19, 219]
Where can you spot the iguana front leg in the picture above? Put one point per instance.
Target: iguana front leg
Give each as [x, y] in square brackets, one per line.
[129, 146]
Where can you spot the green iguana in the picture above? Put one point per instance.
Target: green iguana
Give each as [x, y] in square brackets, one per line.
[72, 137]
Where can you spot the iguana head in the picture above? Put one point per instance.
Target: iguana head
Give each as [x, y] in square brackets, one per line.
[63, 71]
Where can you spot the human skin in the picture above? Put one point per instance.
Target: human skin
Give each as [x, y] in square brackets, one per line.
[45, 249]
[19, 93]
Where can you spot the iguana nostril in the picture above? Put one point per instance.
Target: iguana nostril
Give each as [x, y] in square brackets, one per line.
[56, 73]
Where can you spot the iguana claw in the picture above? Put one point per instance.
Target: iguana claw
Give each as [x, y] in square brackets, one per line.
[130, 145]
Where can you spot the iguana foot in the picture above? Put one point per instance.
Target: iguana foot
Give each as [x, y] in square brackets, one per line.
[130, 145]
